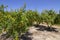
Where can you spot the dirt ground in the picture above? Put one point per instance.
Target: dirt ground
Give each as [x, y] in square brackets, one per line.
[40, 32]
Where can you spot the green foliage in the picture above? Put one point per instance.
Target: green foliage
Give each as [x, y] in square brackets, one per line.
[32, 16]
[57, 19]
[48, 16]
[15, 23]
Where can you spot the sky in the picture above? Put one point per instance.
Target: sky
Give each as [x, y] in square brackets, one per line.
[32, 4]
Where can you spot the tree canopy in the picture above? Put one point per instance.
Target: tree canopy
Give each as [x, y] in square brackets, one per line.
[16, 23]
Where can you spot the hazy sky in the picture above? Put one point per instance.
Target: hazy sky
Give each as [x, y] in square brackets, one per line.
[32, 4]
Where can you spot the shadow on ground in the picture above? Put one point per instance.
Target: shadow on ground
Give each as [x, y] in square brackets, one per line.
[23, 37]
[26, 36]
[44, 28]
[39, 28]
[6, 37]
